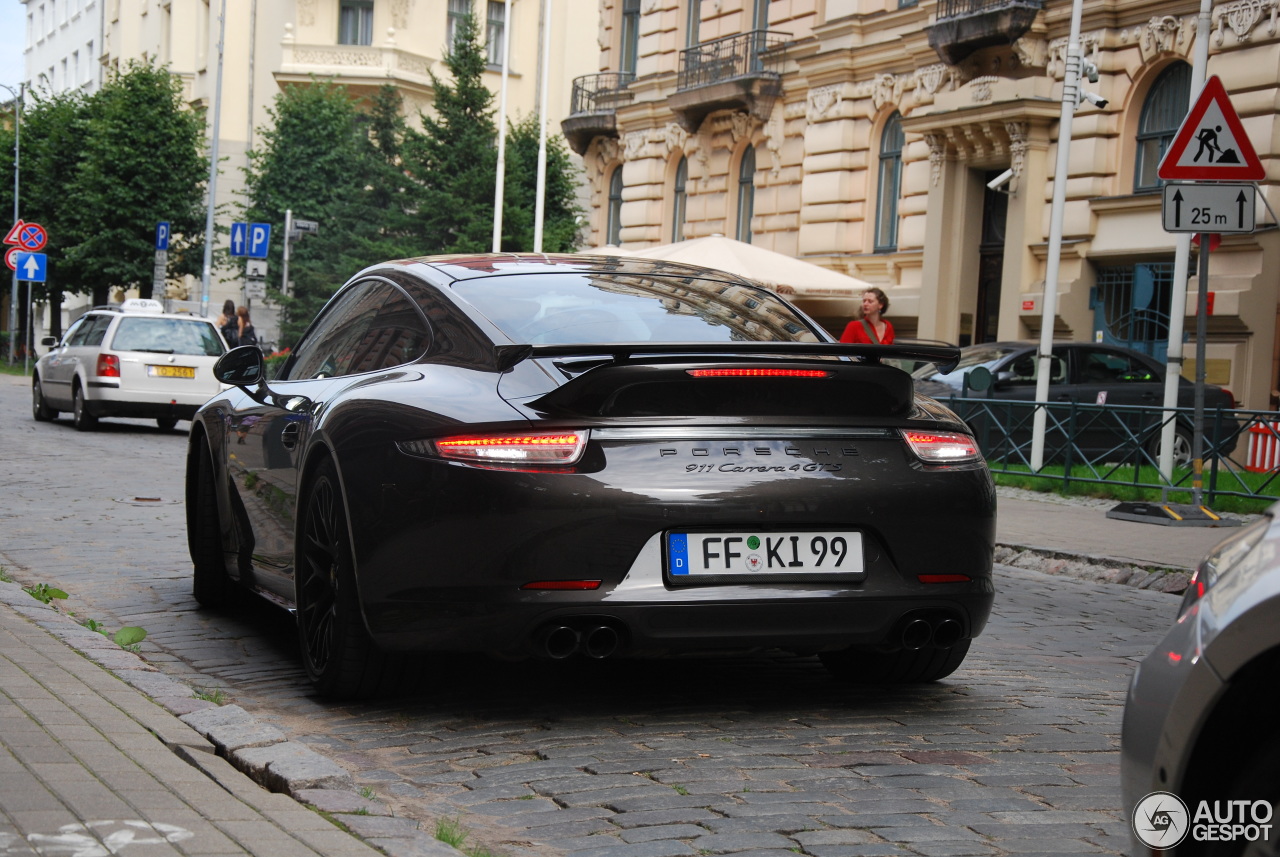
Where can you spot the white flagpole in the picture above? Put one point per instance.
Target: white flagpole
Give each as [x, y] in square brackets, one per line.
[541, 204]
[502, 128]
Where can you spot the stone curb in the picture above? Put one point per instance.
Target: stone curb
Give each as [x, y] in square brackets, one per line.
[232, 744]
[1095, 569]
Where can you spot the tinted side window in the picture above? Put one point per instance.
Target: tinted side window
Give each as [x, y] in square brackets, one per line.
[76, 334]
[97, 330]
[371, 326]
[1024, 370]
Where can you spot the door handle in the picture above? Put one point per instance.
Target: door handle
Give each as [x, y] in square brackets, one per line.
[290, 435]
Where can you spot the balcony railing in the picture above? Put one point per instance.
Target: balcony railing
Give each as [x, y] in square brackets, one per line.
[593, 107]
[964, 26]
[599, 93]
[753, 53]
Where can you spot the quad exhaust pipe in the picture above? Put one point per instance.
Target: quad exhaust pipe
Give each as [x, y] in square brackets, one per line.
[560, 641]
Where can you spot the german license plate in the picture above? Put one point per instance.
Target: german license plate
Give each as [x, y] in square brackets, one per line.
[171, 371]
[703, 555]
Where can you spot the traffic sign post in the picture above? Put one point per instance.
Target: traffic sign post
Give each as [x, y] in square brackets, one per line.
[162, 235]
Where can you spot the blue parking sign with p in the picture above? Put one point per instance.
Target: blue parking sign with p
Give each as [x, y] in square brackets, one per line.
[162, 235]
[259, 240]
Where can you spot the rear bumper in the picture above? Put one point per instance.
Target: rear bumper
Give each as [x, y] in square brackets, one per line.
[103, 400]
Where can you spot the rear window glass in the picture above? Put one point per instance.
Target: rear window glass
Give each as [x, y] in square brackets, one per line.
[563, 309]
[167, 336]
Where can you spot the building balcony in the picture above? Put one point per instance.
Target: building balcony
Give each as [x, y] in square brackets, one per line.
[964, 26]
[363, 69]
[735, 72]
[594, 106]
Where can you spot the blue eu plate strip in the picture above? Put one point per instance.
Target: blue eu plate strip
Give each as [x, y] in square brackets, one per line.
[678, 553]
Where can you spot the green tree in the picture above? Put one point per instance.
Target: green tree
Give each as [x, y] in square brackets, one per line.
[142, 162]
[325, 160]
[561, 223]
[455, 158]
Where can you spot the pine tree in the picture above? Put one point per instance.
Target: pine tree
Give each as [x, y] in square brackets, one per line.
[561, 221]
[455, 158]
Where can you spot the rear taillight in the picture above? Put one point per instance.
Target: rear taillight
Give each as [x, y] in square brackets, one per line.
[759, 373]
[1231, 399]
[530, 448]
[108, 366]
[941, 447]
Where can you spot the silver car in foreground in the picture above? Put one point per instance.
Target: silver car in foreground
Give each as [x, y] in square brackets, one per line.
[1200, 755]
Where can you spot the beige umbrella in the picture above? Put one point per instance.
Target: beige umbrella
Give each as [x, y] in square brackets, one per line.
[607, 250]
[786, 274]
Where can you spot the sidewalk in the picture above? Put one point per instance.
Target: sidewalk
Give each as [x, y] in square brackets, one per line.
[90, 766]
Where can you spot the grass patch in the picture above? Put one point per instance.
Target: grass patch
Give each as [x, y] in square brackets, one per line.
[7, 368]
[451, 832]
[216, 695]
[1123, 484]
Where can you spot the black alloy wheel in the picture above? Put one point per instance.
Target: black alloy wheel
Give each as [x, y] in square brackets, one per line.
[39, 407]
[84, 421]
[340, 659]
[210, 583]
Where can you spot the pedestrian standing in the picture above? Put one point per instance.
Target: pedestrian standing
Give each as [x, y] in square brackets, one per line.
[245, 334]
[228, 324]
[872, 328]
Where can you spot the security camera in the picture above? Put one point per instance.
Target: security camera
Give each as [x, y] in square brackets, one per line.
[998, 183]
[1094, 98]
[1090, 71]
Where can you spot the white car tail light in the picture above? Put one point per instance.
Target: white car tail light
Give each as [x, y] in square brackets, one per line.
[941, 447]
[526, 448]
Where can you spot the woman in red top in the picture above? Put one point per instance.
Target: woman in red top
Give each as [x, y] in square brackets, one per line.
[871, 329]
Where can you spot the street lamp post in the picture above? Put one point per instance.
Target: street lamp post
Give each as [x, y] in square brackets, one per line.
[17, 151]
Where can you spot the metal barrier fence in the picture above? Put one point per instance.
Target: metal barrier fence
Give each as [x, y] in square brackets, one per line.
[1120, 445]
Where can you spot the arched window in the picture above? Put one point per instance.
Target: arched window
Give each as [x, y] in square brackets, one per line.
[1162, 113]
[679, 201]
[891, 143]
[613, 230]
[746, 193]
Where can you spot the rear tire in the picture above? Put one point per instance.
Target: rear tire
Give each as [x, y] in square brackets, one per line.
[340, 658]
[210, 583]
[166, 423]
[84, 421]
[865, 665]
[39, 407]
[1256, 781]
[1182, 446]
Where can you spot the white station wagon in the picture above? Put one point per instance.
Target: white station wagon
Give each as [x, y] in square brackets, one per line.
[131, 360]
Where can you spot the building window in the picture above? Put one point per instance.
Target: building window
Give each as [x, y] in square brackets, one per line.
[458, 9]
[355, 22]
[613, 230]
[630, 35]
[1163, 111]
[679, 201]
[746, 193]
[760, 15]
[692, 22]
[496, 31]
[891, 142]
[1131, 306]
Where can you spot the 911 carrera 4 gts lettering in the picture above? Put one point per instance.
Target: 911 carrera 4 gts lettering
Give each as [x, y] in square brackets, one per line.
[812, 467]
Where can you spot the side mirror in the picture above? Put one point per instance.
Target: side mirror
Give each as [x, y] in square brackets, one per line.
[241, 367]
[49, 341]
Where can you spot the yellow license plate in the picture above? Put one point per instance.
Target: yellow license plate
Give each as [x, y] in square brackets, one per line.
[171, 371]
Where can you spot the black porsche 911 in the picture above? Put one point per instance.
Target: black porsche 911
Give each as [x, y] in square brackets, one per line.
[546, 456]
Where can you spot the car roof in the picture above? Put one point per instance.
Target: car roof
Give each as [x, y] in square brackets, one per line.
[144, 307]
[479, 265]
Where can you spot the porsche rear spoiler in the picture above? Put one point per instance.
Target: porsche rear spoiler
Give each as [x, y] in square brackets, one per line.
[945, 357]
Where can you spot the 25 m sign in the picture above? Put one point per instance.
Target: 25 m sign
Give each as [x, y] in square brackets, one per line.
[1209, 207]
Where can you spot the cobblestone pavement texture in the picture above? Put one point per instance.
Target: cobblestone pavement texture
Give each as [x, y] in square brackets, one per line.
[1017, 753]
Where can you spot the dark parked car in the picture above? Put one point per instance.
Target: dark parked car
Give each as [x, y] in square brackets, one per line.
[1089, 374]
[1199, 751]
[548, 456]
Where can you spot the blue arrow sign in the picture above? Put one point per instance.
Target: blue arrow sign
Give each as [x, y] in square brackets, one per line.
[162, 235]
[31, 266]
[259, 240]
[238, 243]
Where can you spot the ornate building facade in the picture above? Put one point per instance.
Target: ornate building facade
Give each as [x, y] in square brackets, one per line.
[862, 135]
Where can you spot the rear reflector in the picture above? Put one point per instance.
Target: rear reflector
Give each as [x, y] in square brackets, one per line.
[941, 447]
[943, 578]
[540, 448]
[759, 373]
[562, 584]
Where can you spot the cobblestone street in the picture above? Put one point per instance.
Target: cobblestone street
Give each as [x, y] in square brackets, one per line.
[1017, 753]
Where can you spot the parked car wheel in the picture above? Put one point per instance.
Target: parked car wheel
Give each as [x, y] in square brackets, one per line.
[340, 659]
[860, 665]
[1256, 781]
[39, 407]
[84, 421]
[211, 585]
[1182, 446]
[167, 423]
